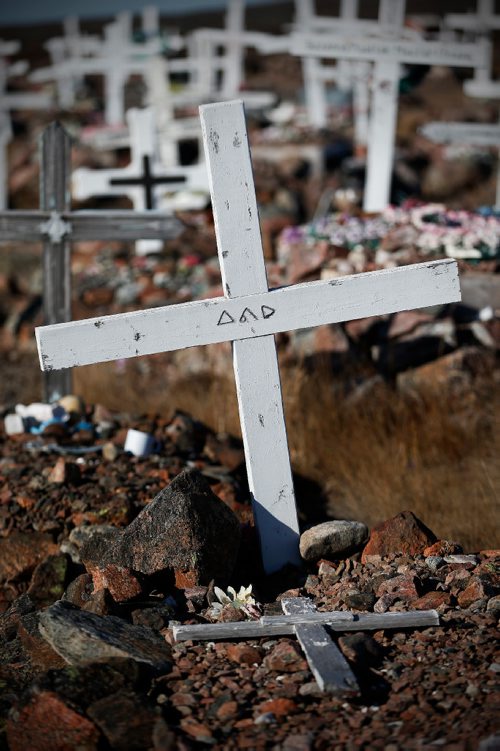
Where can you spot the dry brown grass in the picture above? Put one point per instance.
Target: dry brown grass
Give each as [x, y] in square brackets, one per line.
[429, 450]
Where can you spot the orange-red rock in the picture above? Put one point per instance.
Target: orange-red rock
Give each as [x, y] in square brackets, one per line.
[404, 533]
[47, 724]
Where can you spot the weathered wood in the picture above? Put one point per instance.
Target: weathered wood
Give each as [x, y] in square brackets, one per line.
[474, 134]
[285, 625]
[221, 319]
[255, 363]
[421, 52]
[54, 196]
[78, 226]
[327, 663]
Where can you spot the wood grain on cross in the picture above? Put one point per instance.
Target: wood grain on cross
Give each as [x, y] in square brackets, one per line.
[248, 315]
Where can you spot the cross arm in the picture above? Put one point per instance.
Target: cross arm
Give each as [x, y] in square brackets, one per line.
[418, 52]
[286, 624]
[77, 226]
[227, 319]
[474, 134]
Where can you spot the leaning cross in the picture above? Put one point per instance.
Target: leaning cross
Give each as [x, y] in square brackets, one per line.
[248, 315]
[328, 665]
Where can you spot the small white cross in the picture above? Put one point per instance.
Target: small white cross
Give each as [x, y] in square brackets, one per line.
[148, 185]
[249, 315]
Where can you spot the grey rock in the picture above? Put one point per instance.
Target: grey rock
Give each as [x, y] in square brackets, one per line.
[185, 528]
[434, 562]
[79, 536]
[493, 605]
[81, 637]
[333, 539]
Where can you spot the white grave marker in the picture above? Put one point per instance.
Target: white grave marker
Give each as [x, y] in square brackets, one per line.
[481, 23]
[12, 101]
[116, 58]
[387, 54]
[472, 134]
[249, 315]
[204, 66]
[144, 181]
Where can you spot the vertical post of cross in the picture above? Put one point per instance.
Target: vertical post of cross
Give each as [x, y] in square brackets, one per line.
[54, 197]
[255, 360]
[382, 129]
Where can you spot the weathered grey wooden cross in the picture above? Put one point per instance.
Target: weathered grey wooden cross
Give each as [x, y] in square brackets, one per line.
[248, 315]
[55, 226]
[328, 665]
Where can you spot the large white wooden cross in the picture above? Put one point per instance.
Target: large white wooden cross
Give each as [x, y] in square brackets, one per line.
[248, 315]
[387, 55]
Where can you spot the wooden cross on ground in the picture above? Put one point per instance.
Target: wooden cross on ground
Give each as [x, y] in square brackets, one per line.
[387, 56]
[56, 226]
[248, 315]
[327, 663]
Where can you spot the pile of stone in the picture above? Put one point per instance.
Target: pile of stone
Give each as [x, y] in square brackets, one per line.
[89, 655]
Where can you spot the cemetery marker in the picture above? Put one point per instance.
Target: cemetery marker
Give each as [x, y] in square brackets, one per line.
[56, 226]
[328, 665]
[248, 315]
[472, 134]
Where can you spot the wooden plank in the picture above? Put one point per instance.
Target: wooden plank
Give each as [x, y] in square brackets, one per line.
[418, 52]
[475, 134]
[54, 196]
[327, 663]
[202, 322]
[30, 226]
[285, 625]
[381, 136]
[255, 363]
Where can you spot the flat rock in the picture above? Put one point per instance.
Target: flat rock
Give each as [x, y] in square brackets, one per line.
[332, 539]
[404, 533]
[185, 528]
[81, 637]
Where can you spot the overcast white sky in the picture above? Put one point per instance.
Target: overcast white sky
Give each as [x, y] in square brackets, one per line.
[35, 11]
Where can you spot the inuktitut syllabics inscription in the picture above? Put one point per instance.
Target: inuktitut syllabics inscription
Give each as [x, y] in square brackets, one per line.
[247, 315]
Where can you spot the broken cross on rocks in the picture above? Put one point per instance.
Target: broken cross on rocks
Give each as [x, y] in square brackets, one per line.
[248, 315]
[301, 619]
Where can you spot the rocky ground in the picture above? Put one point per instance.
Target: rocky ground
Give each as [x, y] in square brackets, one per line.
[95, 573]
